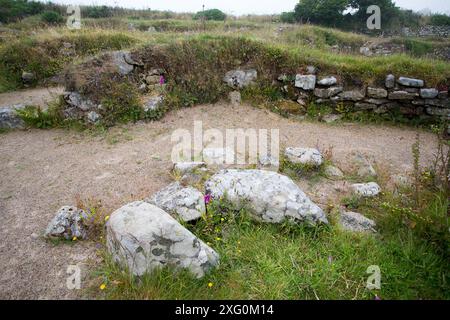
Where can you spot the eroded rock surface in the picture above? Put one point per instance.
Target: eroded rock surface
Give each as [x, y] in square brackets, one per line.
[143, 237]
[269, 196]
[68, 223]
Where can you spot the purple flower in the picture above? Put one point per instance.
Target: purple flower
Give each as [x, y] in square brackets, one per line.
[377, 298]
[162, 80]
[207, 198]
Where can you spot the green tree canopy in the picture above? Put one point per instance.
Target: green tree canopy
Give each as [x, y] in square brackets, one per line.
[212, 14]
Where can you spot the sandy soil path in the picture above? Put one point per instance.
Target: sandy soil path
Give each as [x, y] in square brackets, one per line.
[42, 170]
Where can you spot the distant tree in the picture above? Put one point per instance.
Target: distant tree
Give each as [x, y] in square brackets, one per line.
[389, 12]
[440, 20]
[13, 10]
[51, 17]
[212, 14]
[288, 17]
[323, 12]
[97, 12]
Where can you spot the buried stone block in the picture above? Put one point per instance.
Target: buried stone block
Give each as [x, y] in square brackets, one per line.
[143, 237]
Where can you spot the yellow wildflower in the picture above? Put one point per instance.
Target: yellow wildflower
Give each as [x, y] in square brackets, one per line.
[102, 286]
[210, 285]
[74, 239]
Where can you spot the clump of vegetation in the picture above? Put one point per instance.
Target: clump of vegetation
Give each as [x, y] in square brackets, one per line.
[51, 17]
[211, 14]
[120, 104]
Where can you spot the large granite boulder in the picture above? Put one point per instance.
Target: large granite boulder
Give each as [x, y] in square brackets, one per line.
[143, 237]
[181, 202]
[269, 196]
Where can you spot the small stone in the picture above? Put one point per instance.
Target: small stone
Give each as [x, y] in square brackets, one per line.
[305, 82]
[390, 81]
[333, 172]
[429, 93]
[401, 95]
[328, 81]
[370, 189]
[185, 167]
[438, 112]
[356, 222]
[68, 223]
[235, 98]
[28, 77]
[365, 106]
[305, 156]
[329, 118]
[410, 82]
[9, 119]
[269, 162]
[377, 93]
[443, 95]
[328, 92]
[154, 79]
[354, 95]
[34, 236]
[93, 117]
[153, 103]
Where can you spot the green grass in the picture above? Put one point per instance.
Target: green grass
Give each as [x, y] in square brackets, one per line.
[265, 261]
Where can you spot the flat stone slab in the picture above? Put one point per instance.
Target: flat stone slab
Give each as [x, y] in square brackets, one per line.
[410, 82]
[269, 196]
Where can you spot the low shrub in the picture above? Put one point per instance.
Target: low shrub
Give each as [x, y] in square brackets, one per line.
[51, 17]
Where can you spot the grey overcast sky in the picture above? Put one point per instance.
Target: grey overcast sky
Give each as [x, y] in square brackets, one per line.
[239, 7]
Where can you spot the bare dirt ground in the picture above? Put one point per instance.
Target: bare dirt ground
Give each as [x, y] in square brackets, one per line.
[42, 170]
[36, 97]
